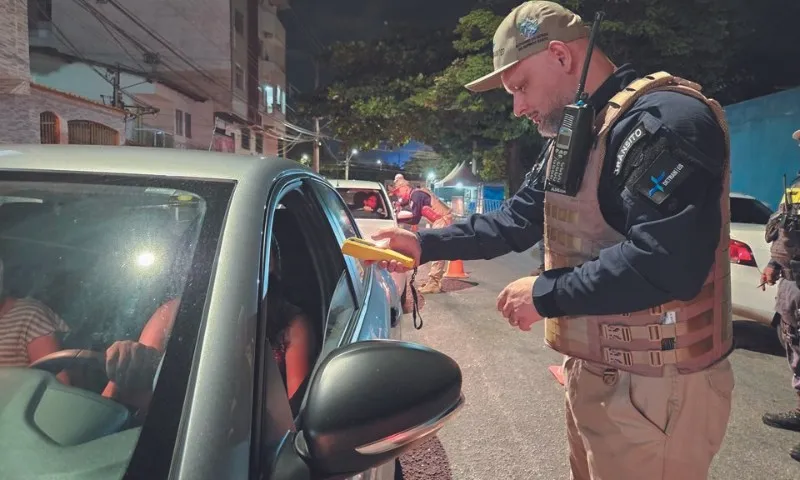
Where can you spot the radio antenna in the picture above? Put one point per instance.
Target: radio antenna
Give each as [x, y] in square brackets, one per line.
[581, 96]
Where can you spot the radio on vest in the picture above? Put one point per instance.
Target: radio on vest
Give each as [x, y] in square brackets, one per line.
[575, 136]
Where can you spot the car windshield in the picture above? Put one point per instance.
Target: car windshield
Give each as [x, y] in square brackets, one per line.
[366, 203]
[92, 272]
[749, 210]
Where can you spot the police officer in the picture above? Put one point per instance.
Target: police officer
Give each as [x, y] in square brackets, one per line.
[783, 231]
[636, 294]
[421, 202]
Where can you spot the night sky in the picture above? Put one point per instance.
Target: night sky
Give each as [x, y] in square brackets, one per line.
[322, 22]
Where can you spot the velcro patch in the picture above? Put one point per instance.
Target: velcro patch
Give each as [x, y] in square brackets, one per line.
[632, 139]
[664, 176]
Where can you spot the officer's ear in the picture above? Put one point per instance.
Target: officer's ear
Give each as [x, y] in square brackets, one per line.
[561, 56]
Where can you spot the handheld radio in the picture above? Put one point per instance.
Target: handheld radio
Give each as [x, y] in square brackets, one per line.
[575, 137]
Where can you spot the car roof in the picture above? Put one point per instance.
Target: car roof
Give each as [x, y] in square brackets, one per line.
[123, 160]
[367, 185]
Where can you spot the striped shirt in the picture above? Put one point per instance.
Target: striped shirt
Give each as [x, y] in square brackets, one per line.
[26, 320]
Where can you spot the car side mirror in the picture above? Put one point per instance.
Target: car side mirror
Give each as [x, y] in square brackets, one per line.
[367, 404]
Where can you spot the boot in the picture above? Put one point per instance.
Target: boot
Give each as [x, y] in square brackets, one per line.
[432, 286]
[795, 452]
[785, 420]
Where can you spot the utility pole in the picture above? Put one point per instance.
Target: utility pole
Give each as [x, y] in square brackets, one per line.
[347, 163]
[116, 98]
[316, 145]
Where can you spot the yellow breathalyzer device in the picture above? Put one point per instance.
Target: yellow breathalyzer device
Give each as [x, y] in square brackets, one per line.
[366, 250]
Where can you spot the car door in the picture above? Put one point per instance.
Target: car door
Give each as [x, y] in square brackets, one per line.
[340, 281]
[371, 318]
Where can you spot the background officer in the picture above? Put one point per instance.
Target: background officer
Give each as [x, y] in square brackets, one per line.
[783, 230]
[421, 202]
[637, 290]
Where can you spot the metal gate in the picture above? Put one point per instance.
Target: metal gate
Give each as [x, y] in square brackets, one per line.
[86, 132]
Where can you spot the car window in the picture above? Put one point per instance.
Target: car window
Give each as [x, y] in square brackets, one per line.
[99, 265]
[339, 215]
[748, 210]
[366, 203]
[309, 282]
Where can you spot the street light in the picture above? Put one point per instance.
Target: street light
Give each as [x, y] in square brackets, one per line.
[431, 178]
[347, 163]
[380, 164]
[304, 159]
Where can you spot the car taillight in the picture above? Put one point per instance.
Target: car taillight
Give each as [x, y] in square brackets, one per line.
[740, 253]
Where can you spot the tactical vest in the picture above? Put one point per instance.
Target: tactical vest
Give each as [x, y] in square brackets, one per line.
[691, 335]
[439, 208]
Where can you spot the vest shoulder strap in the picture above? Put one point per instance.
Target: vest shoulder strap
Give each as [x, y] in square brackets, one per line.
[623, 100]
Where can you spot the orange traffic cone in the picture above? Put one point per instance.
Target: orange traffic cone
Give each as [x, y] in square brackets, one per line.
[557, 372]
[455, 269]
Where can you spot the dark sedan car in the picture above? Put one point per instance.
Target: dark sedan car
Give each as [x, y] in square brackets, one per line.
[190, 315]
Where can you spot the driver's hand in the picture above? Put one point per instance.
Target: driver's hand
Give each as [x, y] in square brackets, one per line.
[132, 365]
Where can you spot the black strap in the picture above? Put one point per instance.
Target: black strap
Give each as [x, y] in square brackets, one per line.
[415, 301]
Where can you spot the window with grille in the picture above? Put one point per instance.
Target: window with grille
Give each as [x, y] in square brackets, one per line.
[238, 22]
[187, 125]
[246, 138]
[239, 78]
[86, 132]
[259, 143]
[49, 129]
[178, 122]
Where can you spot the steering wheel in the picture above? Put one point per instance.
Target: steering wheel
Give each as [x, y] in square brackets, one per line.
[64, 359]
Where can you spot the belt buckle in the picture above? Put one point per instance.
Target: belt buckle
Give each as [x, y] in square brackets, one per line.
[620, 333]
[615, 356]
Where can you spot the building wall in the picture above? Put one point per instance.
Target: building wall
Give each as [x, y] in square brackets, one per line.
[168, 101]
[762, 148]
[19, 122]
[14, 73]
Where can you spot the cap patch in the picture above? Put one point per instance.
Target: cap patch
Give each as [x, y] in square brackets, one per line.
[528, 28]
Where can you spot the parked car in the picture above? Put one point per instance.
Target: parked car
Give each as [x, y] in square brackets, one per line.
[749, 253]
[104, 235]
[370, 221]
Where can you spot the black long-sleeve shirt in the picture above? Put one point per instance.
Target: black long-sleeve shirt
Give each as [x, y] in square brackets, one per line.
[670, 244]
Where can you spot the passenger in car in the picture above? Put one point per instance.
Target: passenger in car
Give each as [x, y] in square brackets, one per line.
[289, 332]
[28, 330]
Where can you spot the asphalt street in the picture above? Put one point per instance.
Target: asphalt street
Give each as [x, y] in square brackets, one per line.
[512, 425]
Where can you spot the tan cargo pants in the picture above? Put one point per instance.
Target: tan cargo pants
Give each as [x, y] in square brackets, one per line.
[622, 426]
[438, 267]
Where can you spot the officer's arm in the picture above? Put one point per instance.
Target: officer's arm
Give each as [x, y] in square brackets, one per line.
[516, 226]
[672, 230]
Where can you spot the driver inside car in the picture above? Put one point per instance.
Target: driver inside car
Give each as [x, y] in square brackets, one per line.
[131, 365]
[29, 330]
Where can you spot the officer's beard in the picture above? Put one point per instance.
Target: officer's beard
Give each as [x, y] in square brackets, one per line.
[548, 126]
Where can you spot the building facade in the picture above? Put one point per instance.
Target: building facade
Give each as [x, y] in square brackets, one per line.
[214, 69]
[35, 113]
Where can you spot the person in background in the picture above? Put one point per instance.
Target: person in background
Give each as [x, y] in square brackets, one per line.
[783, 232]
[29, 330]
[421, 202]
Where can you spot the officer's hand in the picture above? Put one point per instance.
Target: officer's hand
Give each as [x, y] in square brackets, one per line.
[132, 365]
[401, 241]
[769, 276]
[515, 302]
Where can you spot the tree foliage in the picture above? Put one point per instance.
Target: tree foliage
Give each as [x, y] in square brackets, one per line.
[410, 85]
